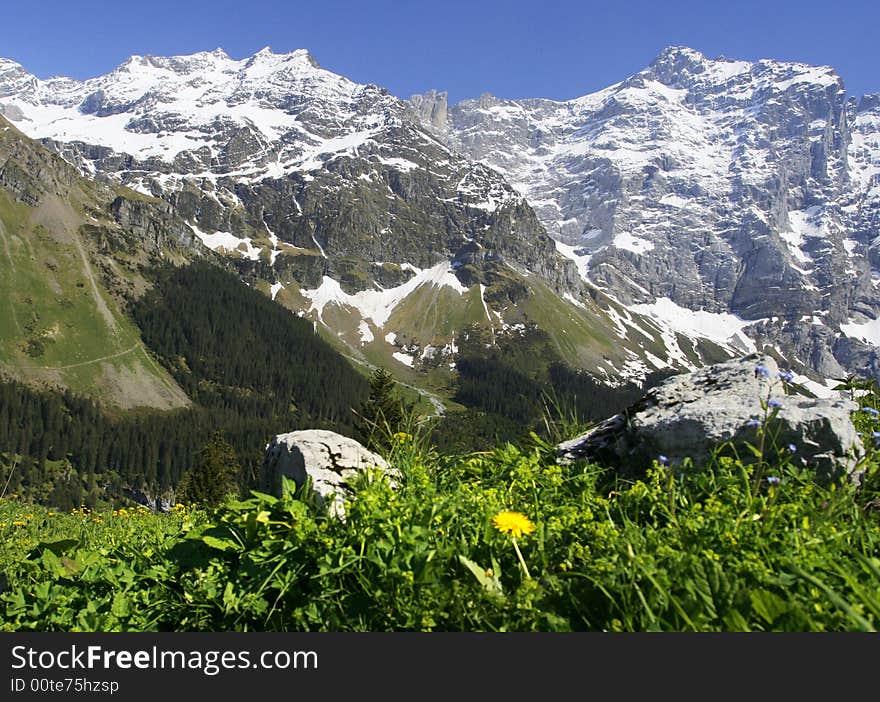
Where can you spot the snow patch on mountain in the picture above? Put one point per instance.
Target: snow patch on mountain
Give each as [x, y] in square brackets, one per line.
[229, 243]
[867, 332]
[804, 224]
[377, 305]
[627, 241]
[724, 329]
[403, 358]
[578, 255]
[365, 332]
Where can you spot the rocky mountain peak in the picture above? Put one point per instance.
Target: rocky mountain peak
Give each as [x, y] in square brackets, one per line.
[9, 65]
[14, 79]
[721, 186]
[270, 60]
[675, 61]
[207, 76]
[431, 110]
[685, 68]
[869, 103]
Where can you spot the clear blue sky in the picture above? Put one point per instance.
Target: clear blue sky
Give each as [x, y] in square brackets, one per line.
[541, 48]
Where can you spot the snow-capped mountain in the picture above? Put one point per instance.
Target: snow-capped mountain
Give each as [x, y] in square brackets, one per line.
[215, 135]
[747, 188]
[699, 208]
[324, 190]
[206, 113]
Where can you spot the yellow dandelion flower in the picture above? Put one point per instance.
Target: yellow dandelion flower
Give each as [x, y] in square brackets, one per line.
[514, 523]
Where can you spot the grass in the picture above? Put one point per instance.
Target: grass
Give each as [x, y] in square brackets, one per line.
[701, 550]
[54, 329]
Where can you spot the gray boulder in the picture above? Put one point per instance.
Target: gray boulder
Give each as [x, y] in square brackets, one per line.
[329, 459]
[691, 415]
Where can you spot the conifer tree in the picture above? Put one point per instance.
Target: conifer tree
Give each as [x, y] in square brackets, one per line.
[215, 475]
[381, 416]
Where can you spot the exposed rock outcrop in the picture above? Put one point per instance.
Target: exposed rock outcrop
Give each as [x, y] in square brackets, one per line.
[154, 503]
[691, 415]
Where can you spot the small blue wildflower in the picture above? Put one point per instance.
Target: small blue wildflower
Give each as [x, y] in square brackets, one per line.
[774, 403]
[871, 411]
[786, 376]
[876, 435]
[792, 448]
[762, 370]
[754, 423]
[662, 460]
[773, 480]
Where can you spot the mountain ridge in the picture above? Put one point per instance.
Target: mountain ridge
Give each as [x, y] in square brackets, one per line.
[291, 171]
[736, 150]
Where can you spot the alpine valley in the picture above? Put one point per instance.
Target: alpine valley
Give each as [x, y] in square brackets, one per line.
[698, 210]
[285, 352]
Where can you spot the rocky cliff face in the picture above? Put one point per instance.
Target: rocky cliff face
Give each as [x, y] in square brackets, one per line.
[714, 185]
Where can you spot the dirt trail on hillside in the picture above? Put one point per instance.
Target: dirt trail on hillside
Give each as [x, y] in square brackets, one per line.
[3, 236]
[95, 360]
[128, 387]
[99, 300]
[8, 252]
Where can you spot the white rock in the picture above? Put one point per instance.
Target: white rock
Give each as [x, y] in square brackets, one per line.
[328, 459]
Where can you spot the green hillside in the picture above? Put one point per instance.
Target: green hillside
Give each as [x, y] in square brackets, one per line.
[253, 370]
[59, 324]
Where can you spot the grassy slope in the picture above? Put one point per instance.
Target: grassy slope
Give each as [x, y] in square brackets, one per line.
[583, 335]
[58, 325]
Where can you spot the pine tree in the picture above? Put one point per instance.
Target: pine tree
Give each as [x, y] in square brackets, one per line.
[381, 416]
[215, 475]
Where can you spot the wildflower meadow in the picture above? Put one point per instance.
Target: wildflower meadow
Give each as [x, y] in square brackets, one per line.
[504, 540]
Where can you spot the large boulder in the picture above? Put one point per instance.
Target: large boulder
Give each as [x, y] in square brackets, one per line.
[691, 415]
[329, 459]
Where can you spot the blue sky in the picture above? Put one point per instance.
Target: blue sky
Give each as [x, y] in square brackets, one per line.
[544, 48]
